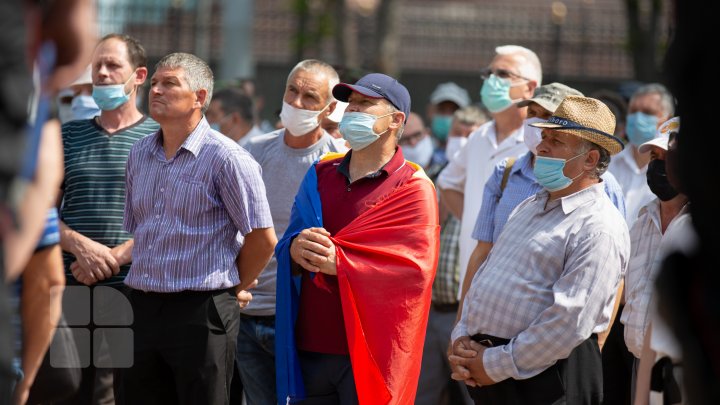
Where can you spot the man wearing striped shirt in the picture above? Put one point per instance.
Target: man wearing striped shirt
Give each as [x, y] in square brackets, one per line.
[197, 207]
[528, 330]
[96, 248]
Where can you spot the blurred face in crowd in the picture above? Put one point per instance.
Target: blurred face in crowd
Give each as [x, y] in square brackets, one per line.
[414, 131]
[308, 91]
[650, 104]
[216, 114]
[535, 110]
[508, 67]
[111, 65]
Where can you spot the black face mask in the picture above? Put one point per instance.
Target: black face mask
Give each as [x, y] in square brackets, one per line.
[658, 181]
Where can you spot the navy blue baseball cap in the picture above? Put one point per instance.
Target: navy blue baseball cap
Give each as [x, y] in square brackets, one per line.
[377, 85]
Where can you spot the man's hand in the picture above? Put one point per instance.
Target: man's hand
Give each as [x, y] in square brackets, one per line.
[313, 250]
[94, 262]
[243, 296]
[461, 348]
[466, 366]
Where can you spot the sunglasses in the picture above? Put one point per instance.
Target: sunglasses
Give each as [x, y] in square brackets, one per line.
[501, 73]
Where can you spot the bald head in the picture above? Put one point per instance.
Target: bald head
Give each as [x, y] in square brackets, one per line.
[414, 130]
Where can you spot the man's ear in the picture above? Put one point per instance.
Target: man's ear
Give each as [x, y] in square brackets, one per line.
[592, 159]
[201, 96]
[398, 119]
[141, 75]
[330, 109]
[531, 86]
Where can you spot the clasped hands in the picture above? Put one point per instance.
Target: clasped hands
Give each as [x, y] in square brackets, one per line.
[313, 250]
[466, 361]
[95, 262]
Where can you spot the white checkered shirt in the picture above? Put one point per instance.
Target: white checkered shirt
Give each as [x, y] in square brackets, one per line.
[645, 238]
[548, 283]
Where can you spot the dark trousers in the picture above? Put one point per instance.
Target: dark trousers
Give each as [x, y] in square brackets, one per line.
[184, 347]
[328, 379]
[576, 380]
[617, 366]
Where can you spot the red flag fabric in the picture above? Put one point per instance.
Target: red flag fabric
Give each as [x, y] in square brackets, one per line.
[386, 260]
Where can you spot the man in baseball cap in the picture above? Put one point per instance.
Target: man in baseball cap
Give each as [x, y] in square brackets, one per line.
[377, 237]
[554, 269]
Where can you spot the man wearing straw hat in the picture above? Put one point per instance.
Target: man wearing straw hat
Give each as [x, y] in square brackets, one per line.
[528, 328]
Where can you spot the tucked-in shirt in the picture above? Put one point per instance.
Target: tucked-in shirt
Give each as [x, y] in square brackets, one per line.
[189, 213]
[320, 325]
[633, 180]
[469, 170]
[645, 240]
[521, 183]
[283, 169]
[548, 283]
[94, 184]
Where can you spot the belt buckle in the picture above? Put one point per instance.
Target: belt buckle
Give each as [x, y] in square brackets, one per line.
[486, 342]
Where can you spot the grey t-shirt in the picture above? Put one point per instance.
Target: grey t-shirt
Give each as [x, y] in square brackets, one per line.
[283, 169]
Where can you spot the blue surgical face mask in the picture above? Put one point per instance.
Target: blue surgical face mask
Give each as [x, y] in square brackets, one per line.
[641, 127]
[111, 96]
[549, 172]
[441, 126]
[495, 94]
[357, 129]
[83, 107]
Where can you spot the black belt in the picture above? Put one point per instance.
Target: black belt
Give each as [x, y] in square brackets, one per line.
[488, 340]
[258, 317]
[446, 307]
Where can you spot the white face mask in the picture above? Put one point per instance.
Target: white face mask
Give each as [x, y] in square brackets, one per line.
[532, 135]
[454, 144]
[297, 121]
[421, 153]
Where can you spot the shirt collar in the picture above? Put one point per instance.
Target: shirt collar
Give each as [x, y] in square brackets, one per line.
[395, 163]
[193, 143]
[571, 202]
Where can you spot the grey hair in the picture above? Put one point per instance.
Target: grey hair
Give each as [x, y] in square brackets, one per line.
[603, 161]
[318, 66]
[531, 67]
[666, 99]
[197, 73]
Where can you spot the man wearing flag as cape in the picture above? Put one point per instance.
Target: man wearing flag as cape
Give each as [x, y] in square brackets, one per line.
[357, 262]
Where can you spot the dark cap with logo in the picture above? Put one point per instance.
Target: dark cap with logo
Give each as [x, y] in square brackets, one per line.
[377, 85]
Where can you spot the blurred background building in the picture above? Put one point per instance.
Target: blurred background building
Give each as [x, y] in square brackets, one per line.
[588, 44]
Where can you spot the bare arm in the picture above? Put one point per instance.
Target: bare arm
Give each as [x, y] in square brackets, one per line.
[43, 282]
[453, 200]
[255, 255]
[94, 261]
[602, 336]
[37, 199]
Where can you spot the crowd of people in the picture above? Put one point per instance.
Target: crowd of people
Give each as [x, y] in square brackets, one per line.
[505, 253]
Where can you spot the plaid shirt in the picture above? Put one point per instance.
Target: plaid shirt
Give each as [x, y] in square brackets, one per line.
[447, 277]
[645, 238]
[548, 283]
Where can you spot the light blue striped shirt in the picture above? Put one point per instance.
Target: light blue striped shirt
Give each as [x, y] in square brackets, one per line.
[498, 204]
[189, 214]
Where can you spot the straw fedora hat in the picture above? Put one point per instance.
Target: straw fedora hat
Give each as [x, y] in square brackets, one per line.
[588, 119]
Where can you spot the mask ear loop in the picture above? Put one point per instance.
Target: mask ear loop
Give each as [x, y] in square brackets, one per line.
[581, 171]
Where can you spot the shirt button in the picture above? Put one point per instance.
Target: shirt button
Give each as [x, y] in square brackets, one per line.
[157, 215]
[146, 275]
[162, 189]
[149, 247]
[348, 189]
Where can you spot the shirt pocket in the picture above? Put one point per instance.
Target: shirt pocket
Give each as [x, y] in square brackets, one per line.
[189, 202]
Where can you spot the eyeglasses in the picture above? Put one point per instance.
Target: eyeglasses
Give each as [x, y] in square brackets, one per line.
[501, 73]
